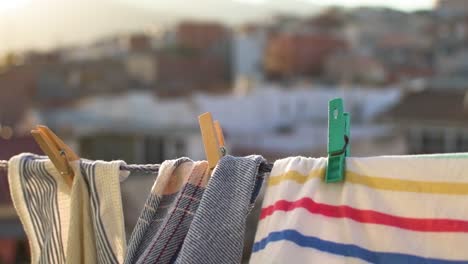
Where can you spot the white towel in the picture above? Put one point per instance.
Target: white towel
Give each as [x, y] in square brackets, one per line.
[393, 209]
[81, 224]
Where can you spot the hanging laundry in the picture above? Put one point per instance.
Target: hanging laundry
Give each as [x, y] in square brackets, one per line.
[168, 212]
[153, 212]
[216, 234]
[78, 224]
[394, 209]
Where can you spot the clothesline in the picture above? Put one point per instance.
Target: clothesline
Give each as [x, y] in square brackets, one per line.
[151, 168]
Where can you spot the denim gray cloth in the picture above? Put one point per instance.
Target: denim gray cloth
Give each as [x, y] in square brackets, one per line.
[216, 234]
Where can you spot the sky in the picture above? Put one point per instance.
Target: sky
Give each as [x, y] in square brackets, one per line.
[45, 24]
[6, 5]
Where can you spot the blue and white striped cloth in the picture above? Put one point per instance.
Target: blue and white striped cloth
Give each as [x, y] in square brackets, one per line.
[78, 224]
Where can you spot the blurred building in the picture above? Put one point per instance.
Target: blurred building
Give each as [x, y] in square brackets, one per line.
[141, 67]
[248, 49]
[454, 65]
[451, 42]
[178, 72]
[138, 43]
[349, 68]
[402, 42]
[66, 81]
[17, 88]
[109, 47]
[197, 59]
[136, 127]
[201, 35]
[184, 74]
[405, 56]
[128, 132]
[452, 7]
[432, 121]
[365, 26]
[294, 55]
[294, 121]
[331, 21]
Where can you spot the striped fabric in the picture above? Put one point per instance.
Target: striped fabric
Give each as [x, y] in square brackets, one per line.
[394, 209]
[216, 234]
[159, 235]
[81, 224]
[152, 214]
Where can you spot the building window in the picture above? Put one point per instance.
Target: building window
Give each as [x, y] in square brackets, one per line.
[159, 149]
[109, 147]
[155, 150]
[132, 149]
[180, 148]
[462, 142]
[433, 142]
[301, 110]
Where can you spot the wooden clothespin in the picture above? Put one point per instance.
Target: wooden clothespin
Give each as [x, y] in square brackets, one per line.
[58, 152]
[338, 140]
[213, 139]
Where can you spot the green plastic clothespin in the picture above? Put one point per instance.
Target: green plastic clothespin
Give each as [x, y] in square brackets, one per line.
[338, 140]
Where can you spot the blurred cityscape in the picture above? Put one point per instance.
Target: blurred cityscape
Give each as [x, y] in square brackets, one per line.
[136, 97]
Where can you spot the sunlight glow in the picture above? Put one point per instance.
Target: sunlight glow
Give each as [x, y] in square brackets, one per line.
[253, 1]
[8, 5]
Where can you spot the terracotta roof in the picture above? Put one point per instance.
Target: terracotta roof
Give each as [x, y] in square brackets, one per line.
[437, 106]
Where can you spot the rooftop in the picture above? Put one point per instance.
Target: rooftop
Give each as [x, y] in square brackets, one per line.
[439, 106]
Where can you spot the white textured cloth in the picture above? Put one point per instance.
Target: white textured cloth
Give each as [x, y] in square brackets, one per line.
[390, 209]
[81, 224]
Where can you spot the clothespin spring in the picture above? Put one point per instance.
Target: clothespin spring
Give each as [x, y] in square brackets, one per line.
[223, 151]
[342, 151]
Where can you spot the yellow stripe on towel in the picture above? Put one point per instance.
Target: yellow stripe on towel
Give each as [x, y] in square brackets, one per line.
[451, 188]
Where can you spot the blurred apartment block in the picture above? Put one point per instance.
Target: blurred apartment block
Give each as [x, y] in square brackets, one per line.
[293, 55]
[452, 7]
[432, 121]
[202, 36]
[300, 48]
[197, 59]
[143, 128]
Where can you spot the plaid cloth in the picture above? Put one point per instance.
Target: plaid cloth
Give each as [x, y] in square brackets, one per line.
[168, 212]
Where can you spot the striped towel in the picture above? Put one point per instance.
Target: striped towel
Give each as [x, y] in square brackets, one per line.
[394, 209]
[217, 232]
[81, 224]
[168, 212]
